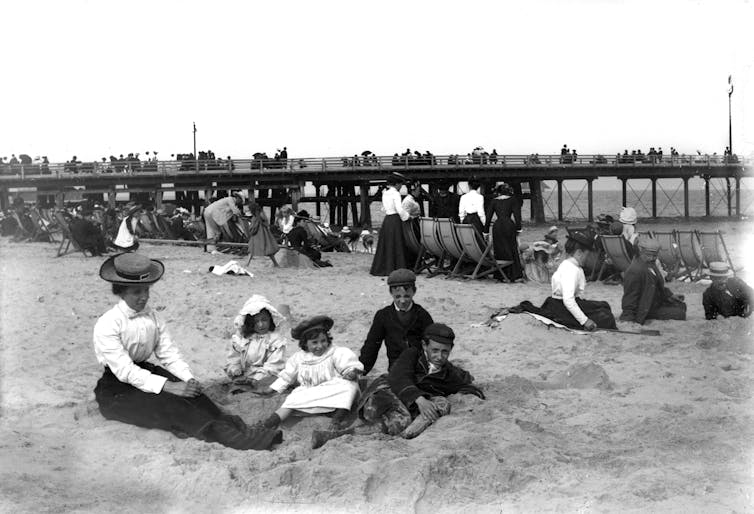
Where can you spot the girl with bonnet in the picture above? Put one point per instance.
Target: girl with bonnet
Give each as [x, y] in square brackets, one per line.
[257, 348]
[135, 391]
[327, 375]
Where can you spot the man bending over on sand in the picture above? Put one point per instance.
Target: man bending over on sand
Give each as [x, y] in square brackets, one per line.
[727, 296]
[414, 394]
[400, 325]
[644, 293]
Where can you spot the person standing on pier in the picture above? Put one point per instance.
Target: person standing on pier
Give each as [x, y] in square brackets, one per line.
[391, 249]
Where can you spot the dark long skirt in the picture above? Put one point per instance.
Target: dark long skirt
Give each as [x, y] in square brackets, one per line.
[185, 417]
[505, 246]
[391, 249]
[554, 309]
[474, 219]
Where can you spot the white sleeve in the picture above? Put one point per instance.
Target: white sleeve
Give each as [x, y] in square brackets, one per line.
[480, 209]
[275, 361]
[462, 208]
[399, 207]
[167, 352]
[108, 345]
[568, 285]
[288, 375]
[346, 360]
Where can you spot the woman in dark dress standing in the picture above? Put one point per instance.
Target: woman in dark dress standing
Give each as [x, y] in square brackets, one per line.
[504, 231]
[391, 249]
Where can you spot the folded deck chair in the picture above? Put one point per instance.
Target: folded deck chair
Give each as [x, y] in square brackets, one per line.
[430, 240]
[416, 248]
[669, 255]
[714, 249]
[449, 241]
[42, 226]
[471, 242]
[66, 238]
[690, 249]
[616, 253]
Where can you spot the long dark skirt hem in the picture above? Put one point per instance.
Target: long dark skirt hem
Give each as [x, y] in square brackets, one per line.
[554, 309]
[390, 254]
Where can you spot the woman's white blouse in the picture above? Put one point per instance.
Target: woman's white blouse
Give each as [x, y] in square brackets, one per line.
[123, 336]
[472, 203]
[568, 283]
[391, 202]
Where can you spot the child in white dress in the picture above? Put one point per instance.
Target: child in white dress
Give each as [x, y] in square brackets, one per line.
[257, 348]
[327, 375]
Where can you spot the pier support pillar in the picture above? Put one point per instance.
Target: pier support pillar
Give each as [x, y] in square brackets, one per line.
[60, 200]
[686, 197]
[738, 197]
[158, 194]
[536, 201]
[4, 203]
[729, 196]
[590, 199]
[706, 196]
[365, 220]
[654, 197]
[560, 200]
[317, 204]
[111, 197]
[624, 189]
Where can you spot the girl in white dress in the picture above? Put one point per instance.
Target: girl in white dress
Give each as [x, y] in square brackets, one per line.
[326, 375]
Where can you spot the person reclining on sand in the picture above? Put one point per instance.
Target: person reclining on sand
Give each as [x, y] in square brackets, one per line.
[727, 296]
[414, 394]
[400, 325]
[644, 293]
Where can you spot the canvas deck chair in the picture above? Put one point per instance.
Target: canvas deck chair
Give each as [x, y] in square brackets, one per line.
[690, 249]
[67, 240]
[430, 240]
[416, 248]
[669, 256]
[616, 253]
[714, 249]
[449, 242]
[468, 237]
[43, 225]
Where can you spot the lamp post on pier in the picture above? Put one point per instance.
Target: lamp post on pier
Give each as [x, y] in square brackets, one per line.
[730, 118]
[196, 157]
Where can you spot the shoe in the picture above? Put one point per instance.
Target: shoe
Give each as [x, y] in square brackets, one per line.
[320, 437]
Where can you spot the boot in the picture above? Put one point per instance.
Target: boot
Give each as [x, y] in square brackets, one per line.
[272, 422]
[417, 426]
[320, 437]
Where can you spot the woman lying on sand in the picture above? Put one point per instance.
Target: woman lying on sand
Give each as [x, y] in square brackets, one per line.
[140, 393]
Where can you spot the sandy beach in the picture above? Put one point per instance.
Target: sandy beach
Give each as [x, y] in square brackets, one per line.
[602, 422]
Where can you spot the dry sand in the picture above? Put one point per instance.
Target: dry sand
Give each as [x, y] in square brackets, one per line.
[632, 424]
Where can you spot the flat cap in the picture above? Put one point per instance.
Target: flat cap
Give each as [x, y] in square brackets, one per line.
[401, 277]
[648, 245]
[319, 323]
[440, 333]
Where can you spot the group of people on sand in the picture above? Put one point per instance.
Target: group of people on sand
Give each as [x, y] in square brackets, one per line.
[321, 378]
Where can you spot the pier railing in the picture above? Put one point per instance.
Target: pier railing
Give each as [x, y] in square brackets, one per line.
[363, 163]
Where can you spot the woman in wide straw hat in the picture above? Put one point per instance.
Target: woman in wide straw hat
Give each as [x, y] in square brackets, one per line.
[135, 391]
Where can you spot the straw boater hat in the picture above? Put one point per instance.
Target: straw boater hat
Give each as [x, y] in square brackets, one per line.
[718, 269]
[131, 268]
[318, 323]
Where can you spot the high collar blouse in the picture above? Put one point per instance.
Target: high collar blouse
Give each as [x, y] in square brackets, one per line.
[391, 203]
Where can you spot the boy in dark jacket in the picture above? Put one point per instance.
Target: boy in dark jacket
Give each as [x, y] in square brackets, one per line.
[413, 395]
[400, 325]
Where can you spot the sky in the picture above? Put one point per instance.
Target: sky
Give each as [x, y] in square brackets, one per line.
[333, 78]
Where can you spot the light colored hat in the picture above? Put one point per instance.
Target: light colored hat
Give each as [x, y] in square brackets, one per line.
[718, 269]
[628, 216]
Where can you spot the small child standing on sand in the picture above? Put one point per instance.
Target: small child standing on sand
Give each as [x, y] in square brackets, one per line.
[327, 375]
[257, 348]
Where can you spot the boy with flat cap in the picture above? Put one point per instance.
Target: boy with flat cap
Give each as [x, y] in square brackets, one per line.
[400, 325]
[644, 293]
[414, 394]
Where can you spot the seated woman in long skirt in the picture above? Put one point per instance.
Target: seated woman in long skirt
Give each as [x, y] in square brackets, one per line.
[327, 375]
[135, 391]
[566, 305]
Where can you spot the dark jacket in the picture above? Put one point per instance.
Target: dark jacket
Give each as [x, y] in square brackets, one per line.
[409, 378]
[644, 291]
[387, 327]
[735, 300]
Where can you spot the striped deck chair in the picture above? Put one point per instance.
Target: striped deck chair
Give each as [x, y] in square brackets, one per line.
[66, 237]
[714, 249]
[468, 237]
[449, 242]
[669, 256]
[43, 225]
[430, 240]
[690, 249]
[616, 253]
[416, 248]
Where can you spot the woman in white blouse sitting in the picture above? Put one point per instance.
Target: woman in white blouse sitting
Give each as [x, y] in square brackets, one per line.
[135, 391]
[566, 305]
[391, 251]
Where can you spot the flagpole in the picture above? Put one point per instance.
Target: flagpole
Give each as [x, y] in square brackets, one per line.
[196, 157]
[730, 117]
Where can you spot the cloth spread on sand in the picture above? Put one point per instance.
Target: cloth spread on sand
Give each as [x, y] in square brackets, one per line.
[500, 315]
[230, 268]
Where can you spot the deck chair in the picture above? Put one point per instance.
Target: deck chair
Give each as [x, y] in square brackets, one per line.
[22, 232]
[690, 249]
[714, 249]
[42, 226]
[430, 240]
[669, 256]
[449, 242]
[468, 237]
[616, 253]
[416, 248]
[66, 238]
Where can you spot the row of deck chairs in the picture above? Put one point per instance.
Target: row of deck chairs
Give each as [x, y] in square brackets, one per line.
[452, 249]
[684, 254]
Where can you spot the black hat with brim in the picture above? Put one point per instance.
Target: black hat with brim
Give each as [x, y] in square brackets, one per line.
[318, 323]
[582, 239]
[131, 268]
